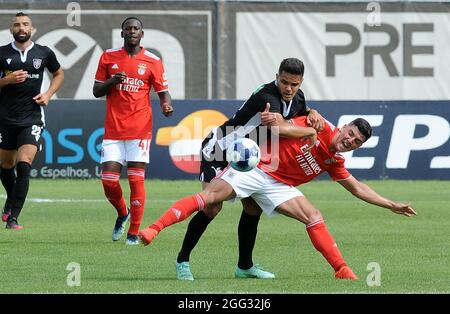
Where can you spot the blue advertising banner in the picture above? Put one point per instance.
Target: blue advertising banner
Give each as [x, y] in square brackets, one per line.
[410, 140]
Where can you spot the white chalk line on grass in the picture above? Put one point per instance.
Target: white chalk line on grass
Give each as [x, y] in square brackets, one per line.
[73, 200]
[68, 200]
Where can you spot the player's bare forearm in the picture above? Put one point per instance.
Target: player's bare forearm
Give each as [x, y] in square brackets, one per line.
[43, 99]
[3, 82]
[57, 81]
[367, 194]
[15, 77]
[284, 128]
[287, 129]
[165, 101]
[102, 88]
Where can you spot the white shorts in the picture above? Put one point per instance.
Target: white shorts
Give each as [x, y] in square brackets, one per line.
[267, 192]
[122, 151]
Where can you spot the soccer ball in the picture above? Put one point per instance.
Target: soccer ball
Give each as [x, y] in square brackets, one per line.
[243, 154]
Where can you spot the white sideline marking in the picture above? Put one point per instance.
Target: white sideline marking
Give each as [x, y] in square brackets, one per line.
[68, 200]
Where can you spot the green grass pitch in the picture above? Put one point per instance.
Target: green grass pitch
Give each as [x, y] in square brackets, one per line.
[70, 221]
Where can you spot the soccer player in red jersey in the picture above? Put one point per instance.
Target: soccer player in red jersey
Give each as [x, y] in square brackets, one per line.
[303, 154]
[126, 76]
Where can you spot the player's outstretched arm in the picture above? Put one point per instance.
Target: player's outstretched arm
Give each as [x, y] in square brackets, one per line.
[364, 192]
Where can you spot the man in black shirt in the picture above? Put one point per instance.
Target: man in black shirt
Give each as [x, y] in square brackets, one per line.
[22, 119]
[284, 97]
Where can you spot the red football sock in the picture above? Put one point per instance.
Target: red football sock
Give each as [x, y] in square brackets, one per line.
[113, 191]
[325, 244]
[136, 178]
[179, 211]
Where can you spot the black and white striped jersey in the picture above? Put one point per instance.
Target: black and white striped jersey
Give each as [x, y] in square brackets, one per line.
[17, 107]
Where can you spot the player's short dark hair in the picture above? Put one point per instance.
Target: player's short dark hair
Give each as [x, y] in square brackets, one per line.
[132, 18]
[363, 127]
[292, 66]
[21, 14]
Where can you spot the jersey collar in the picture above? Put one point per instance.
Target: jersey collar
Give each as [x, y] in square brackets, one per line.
[23, 55]
[140, 52]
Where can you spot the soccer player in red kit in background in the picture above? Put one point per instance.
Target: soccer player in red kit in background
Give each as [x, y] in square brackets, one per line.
[126, 75]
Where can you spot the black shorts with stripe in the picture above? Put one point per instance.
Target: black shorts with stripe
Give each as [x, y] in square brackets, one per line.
[13, 137]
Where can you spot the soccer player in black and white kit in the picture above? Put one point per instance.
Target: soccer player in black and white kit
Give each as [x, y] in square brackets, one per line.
[22, 119]
[285, 97]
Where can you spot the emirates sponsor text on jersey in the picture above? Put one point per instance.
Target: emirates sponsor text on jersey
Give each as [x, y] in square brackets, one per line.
[307, 162]
[130, 84]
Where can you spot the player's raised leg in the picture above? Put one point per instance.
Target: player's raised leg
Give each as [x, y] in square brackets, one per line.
[179, 211]
[216, 192]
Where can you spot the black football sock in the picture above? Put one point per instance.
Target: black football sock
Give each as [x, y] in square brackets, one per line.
[247, 230]
[196, 228]
[20, 188]
[8, 178]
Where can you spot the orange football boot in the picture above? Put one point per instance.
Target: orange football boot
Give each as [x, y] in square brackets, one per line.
[345, 272]
[147, 235]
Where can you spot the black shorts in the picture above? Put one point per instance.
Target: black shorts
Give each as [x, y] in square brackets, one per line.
[12, 137]
[213, 159]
